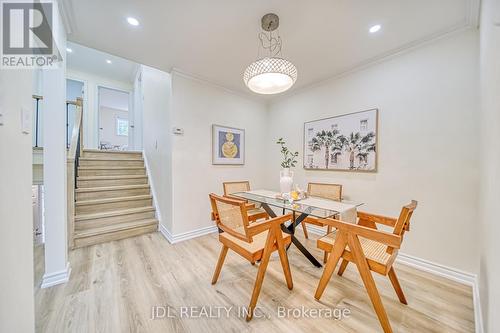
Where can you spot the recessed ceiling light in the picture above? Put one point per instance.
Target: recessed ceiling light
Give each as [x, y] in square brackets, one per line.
[108, 61]
[69, 50]
[132, 21]
[375, 28]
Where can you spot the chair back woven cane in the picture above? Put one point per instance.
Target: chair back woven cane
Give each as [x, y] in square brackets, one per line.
[231, 216]
[325, 191]
[233, 187]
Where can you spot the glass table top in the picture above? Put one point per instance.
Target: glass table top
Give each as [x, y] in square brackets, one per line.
[309, 207]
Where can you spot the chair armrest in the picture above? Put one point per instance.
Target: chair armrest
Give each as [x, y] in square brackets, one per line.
[258, 227]
[383, 237]
[389, 221]
[250, 206]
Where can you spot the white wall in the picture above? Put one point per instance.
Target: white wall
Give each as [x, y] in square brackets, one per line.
[490, 171]
[16, 215]
[196, 106]
[428, 146]
[136, 115]
[157, 98]
[90, 102]
[107, 121]
[54, 166]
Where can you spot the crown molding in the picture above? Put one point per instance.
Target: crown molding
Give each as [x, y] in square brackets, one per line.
[474, 13]
[202, 80]
[67, 15]
[407, 48]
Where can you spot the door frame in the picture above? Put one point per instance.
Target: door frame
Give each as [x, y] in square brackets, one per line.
[98, 112]
[85, 104]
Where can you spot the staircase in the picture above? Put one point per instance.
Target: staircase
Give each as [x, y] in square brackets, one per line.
[112, 197]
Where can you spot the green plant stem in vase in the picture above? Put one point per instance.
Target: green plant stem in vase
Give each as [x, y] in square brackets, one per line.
[289, 161]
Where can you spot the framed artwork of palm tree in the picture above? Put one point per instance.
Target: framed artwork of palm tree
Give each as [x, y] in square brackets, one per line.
[344, 143]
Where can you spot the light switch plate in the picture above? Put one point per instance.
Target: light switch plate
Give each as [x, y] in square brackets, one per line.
[26, 122]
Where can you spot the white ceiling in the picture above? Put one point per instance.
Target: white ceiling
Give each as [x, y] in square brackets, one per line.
[115, 99]
[91, 61]
[215, 40]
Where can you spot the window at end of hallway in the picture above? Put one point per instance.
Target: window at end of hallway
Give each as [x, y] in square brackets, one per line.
[122, 126]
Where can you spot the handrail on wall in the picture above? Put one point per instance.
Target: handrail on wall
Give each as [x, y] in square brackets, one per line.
[75, 148]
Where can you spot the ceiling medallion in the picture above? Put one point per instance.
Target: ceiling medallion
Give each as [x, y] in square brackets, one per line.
[270, 74]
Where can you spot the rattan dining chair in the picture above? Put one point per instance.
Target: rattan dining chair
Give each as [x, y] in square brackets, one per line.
[370, 249]
[325, 191]
[253, 242]
[254, 213]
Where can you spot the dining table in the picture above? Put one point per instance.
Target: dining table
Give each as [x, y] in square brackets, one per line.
[344, 210]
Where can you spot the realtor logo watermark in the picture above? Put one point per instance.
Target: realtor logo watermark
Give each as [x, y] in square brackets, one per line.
[27, 37]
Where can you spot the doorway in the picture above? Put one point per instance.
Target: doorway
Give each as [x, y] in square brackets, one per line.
[115, 132]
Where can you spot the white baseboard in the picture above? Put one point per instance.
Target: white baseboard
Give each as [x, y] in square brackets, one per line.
[172, 239]
[417, 263]
[451, 274]
[435, 269]
[56, 278]
[478, 314]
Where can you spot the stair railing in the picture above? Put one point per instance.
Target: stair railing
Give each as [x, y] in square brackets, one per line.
[68, 103]
[74, 152]
[37, 109]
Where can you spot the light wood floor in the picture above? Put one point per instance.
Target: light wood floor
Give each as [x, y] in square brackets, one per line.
[113, 287]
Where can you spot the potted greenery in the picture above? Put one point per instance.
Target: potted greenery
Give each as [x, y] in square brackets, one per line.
[289, 161]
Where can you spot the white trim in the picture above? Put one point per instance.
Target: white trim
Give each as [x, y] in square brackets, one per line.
[417, 263]
[97, 96]
[153, 190]
[86, 109]
[474, 13]
[450, 273]
[478, 314]
[172, 239]
[56, 278]
[249, 96]
[164, 231]
[67, 16]
[470, 21]
[379, 59]
[437, 269]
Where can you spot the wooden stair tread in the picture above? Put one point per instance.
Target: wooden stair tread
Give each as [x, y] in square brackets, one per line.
[111, 167]
[114, 228]
[109, 200]
[83, 217]
[109, 159]
[111, 177]
[110, 188]
[112, 151]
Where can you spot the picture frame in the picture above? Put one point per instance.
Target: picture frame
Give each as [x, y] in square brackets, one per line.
[228, 145]
[347, 142]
